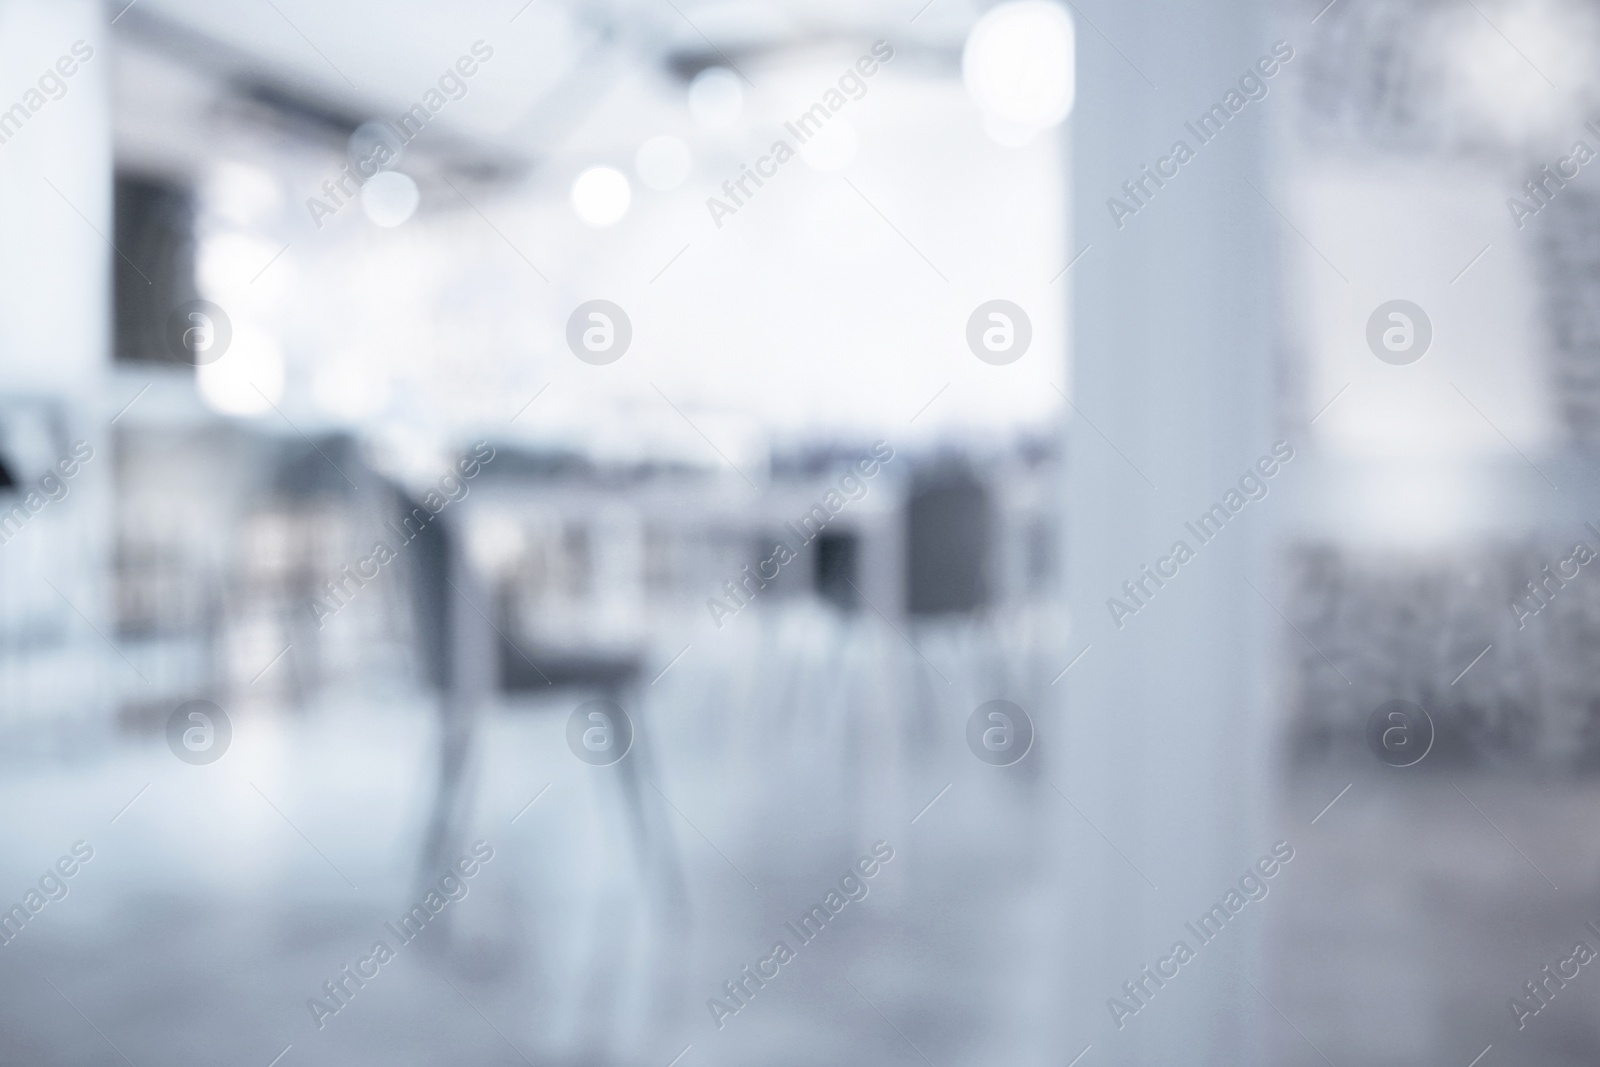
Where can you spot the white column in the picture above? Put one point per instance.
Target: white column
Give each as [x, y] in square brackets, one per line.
[1162, 745]
[54, 280]
[55, 183]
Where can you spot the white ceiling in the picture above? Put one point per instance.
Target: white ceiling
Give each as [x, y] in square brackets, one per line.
[377, 53]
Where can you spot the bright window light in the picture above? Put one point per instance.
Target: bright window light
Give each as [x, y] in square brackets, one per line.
[247, 380]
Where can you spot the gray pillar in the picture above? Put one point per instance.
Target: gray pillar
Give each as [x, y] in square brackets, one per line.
[1164, 745]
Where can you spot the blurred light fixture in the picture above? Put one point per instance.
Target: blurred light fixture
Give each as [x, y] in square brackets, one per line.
[716, 98]
[389, 198]
[601, 195]
[662, 162]
[247, 380]
[831, 147]
[1019, 68]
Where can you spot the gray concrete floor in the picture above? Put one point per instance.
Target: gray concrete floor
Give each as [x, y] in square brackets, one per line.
[223, 897]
